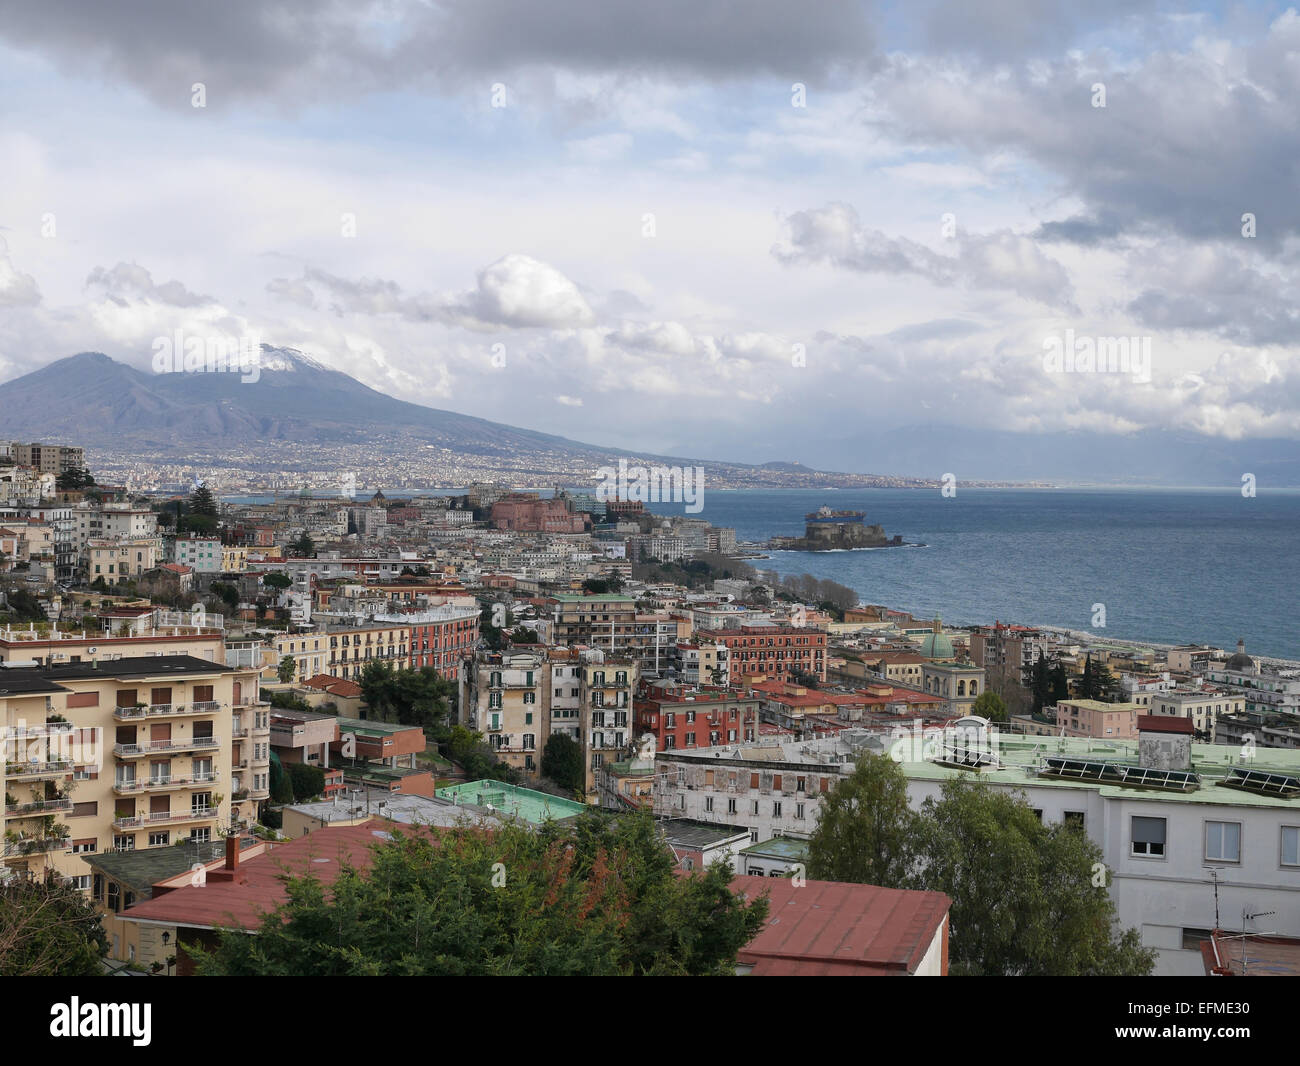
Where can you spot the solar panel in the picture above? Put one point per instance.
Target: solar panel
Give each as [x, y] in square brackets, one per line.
[967, 758]
[1119, 774]
[1262, 783]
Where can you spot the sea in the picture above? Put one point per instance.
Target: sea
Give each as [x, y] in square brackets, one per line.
[1167, 566]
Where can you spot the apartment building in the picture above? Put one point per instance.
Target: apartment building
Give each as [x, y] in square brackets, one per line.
[117, 561]
[155, 633]
[100, 521]
[352, 648]
[1266, 689]
[606, 621]
[506, 697]
[49, 458]
[566, 693]
[1011, 647]
[702, 662]
[123, 754]
[60, 519]
[203, 554]
[773, 651]
[1201, 705]
[1101, 721]
[309, 652]
[1139, 688]
[607, 685]
[685, 718]
[438, 637]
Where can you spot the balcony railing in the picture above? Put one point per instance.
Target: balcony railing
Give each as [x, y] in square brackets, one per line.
[29, 770]
[239, 734]
[50, 729]
[139, 821]
[206, 707]
[29, 847]
[158, 710]
[38, 807]
[162, 784]
[134, 751]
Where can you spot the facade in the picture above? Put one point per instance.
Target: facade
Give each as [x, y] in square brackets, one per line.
[49, 458]
[507, 698]
[956, 683]
[703, 662]
[607, 685]
[1201, 705]
[773, 651]
[439, 637]
[351, 649]
[1101, 721]
[688, 718]
[606, 621]
[118, 561]
[125, 754]
[204, 554]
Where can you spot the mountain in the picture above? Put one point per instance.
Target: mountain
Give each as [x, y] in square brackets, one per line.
[301, 415]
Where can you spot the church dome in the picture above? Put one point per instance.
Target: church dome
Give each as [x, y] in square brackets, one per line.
[1241, 662]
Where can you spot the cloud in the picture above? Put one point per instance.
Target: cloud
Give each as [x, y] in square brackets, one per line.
[569, 401]
[1003, 260]
[16, 288]
[515, 292]
[131, 280]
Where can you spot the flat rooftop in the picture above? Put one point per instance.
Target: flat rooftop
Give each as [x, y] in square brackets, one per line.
[129, 666]
[399, 807]
[685, 833]
[506, 799]
[788, 849]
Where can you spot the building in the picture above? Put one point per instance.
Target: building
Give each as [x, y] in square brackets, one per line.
[773, 651]
[353, 648]
[606, 621]
[49, 458]
[896, 667]
[202, 553]
[698, 845]
[152, 632]
[1202, 705]
[506, 697]
[525, 513]
[309, 651]
[682, 718]
[126, 754]
[607, 685]
[702, 662]
[1267, 690]
[1010, 649]
[828, 929]
[956, 683]
[1101, 721]
[438, 637]
[778, 857]
[118, 561]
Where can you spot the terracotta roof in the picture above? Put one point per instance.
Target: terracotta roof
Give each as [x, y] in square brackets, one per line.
[1164, 723]
[258, 884]
[335, 686]
[829, 928]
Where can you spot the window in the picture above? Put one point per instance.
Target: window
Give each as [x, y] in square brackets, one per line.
[124, 843]
[708, 803]
[755, 811]
[114, 897]
[1223, 841]
[1075, 818]
[83, 847]
[731, 806]
[776, 809]
[1291, 845]
[200, 836]
[81, 883]
[798, 810]
[1148, 836]
[159, 839]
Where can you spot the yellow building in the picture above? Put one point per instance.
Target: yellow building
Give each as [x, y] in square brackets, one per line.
[351, 649]
[607, 686]
[234, 560]
[121, 560]
[127, 754]
[309, 652]
[507, 697]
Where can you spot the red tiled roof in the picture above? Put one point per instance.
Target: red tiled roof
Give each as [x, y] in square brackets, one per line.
[335, 686]
[259, 882]
[829, 928]
[1164, 723]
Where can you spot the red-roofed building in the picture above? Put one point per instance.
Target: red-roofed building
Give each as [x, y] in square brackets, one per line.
[772, 651]
[696, 718]
[828, 929]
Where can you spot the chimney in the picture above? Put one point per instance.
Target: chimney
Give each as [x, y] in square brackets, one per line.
[232, 853]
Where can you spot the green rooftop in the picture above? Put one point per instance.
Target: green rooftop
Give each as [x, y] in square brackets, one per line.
[789, 849]
[532, 807]
[599, 597]
[1023, 756]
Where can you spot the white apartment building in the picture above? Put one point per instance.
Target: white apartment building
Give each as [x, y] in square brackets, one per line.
[1165, 834]
[1202, 705]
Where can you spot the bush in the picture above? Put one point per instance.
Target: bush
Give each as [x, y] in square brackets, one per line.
[307, 781]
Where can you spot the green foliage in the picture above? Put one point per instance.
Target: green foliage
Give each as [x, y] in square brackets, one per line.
[23, 606]
[600, 898]
[286, 670]
[228, 593]
[1097, 683]
[562, 762]
[287, 700]
[411, 697]
[49, 929]
[493, 636]
[277, 579]
[1038, 679]
[520, 635]
[988, 704]
[202, 502]
[598, 586]
[303, 547]
[475, 757]
[307, 781]
[866, 831]
[281, 783]
[1025, 897]
[71, 480]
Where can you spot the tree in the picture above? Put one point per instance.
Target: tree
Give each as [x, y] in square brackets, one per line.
[1097, 683]
[1039, 681]
[49, 929]
[277, 579]
[599, 898]
[285, 671]
[866, 829]
[71, 480]
[202, 502]
[1060, 683]
[1026, 897]
[228, 593]
[991, 706]
[306, 780]
[562, 762]
[412, 697]
[281, 784]
[303, 547]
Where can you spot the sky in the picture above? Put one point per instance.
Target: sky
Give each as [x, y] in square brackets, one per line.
[741, 229]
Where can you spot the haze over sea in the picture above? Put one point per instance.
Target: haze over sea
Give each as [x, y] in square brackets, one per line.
[1171, 566]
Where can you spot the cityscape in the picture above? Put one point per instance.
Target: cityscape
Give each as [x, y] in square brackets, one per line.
[491, 490]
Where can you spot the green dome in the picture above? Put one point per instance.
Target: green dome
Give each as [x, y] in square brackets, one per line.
[937, 646]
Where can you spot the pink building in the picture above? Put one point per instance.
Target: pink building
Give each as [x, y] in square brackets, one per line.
[527, 514]
[1100, 721]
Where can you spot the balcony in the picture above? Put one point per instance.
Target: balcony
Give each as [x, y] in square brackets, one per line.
[259, 793]
[37, 807]
[35, 845]
[205, 707]
[50, 729]
[238, 734]
[164, 784]
[141, 712]
[160, 747]
[33, 771]
[141, 821]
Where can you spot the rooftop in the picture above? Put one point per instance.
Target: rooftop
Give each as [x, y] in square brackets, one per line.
[396, 806]
[684, 833]
[532, 807]
[789, 849]
[141, 870]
